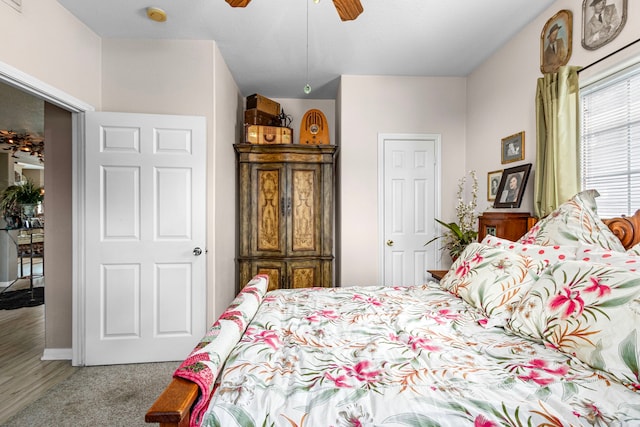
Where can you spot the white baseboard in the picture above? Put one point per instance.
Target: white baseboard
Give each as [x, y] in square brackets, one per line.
[57, 354]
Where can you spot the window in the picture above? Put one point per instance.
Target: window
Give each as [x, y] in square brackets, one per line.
[610, 141]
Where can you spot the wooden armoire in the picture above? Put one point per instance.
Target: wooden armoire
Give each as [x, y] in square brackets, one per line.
[286, 210]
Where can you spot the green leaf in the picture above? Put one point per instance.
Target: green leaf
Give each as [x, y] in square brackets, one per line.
[615, 302]
[411, 419]
[628, 352]
[212, 421]
[321, 398]
[241, 416]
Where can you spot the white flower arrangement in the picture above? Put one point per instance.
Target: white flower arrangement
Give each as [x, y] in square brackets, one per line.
[459, 234]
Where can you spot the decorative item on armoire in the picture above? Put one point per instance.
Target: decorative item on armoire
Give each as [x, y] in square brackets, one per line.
[556, 41]
[602, 21]
[314, 129]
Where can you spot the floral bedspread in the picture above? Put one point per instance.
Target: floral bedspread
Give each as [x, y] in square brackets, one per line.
[402, 356]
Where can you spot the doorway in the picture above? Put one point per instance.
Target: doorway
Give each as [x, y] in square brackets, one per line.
[410, 188]
[60, 228]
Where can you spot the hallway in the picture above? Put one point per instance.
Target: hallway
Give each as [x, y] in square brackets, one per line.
[24, 377]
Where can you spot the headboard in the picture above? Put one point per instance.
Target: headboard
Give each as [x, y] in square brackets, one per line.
[626, 228]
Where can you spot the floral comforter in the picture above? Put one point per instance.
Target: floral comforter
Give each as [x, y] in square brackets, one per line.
[401, 356]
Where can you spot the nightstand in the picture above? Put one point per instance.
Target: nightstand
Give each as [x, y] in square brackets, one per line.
[437, 274]
[506, 225]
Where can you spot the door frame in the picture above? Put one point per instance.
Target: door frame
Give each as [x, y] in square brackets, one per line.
[20, 80]
[382, 138]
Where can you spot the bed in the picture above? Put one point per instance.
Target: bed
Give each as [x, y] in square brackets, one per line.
[542, 331]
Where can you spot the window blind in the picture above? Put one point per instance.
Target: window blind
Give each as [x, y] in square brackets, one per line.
[610, 141]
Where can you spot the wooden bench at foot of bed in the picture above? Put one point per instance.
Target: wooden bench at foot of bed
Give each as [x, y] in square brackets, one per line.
[173, 407]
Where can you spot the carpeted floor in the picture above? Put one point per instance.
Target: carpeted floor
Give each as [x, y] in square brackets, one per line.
[11, 300]
[117, 395]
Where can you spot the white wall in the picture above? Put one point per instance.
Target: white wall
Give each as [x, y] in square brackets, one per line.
[370, 105]
[227, 127]
[47, 42]
[501, 92]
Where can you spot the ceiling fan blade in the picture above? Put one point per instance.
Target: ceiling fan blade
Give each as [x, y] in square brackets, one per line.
[348, 9]
[238, 3]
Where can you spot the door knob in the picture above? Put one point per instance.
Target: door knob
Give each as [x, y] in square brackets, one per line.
[389, 242]
[197, 251]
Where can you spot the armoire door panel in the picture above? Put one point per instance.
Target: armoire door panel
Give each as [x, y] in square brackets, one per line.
[305, 201]
[268, 210]
[275, 271]
[304, 274]
[268, 213]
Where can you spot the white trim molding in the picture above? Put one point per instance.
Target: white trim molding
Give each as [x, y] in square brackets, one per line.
[57, 354]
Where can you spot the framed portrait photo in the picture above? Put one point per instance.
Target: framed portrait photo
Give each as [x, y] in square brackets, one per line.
[602, 21]
[493, 182]
[512, 148]
[556, 41]
[512, 185]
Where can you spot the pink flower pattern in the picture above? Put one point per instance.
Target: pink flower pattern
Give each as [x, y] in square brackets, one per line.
[598, 287]
[572, 301]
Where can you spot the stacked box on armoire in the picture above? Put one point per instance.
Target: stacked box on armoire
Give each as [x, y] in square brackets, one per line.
[264, 123]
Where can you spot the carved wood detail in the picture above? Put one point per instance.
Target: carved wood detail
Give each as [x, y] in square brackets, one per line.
[268, 211]
[303, 210]
[274, 277]
[303, 277]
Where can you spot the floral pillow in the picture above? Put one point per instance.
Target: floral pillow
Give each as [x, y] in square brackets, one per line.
[491, 279]
[549, 254]
[597, 255]
[590, 311]
[575, 221]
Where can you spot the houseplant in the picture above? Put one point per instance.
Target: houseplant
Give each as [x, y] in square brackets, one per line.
[459, 234]
[18, 201]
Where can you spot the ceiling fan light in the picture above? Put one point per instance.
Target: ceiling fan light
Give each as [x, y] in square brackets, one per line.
[156, 14]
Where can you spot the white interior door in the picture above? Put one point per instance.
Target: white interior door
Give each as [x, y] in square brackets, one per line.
[145, 195]
[409, 207]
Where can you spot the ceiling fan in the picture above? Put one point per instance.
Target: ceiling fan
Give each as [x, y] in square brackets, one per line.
[347, 9]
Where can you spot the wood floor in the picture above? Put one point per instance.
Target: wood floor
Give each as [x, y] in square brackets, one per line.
[23, 376]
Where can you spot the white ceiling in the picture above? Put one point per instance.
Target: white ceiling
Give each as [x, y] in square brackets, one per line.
[265, 43]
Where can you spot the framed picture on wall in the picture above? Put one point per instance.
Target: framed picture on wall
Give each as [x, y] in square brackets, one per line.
[511, 187]
[493, 182]
[602, 21]
[513, 148]
[556, 41]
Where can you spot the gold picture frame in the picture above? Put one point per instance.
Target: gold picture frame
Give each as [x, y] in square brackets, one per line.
[512, 148]
[493, 183]
[556, 41]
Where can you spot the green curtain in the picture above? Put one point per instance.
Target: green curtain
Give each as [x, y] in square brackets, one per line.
[557, 176]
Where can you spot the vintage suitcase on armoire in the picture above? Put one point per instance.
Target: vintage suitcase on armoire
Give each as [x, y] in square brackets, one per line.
[286, 211]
